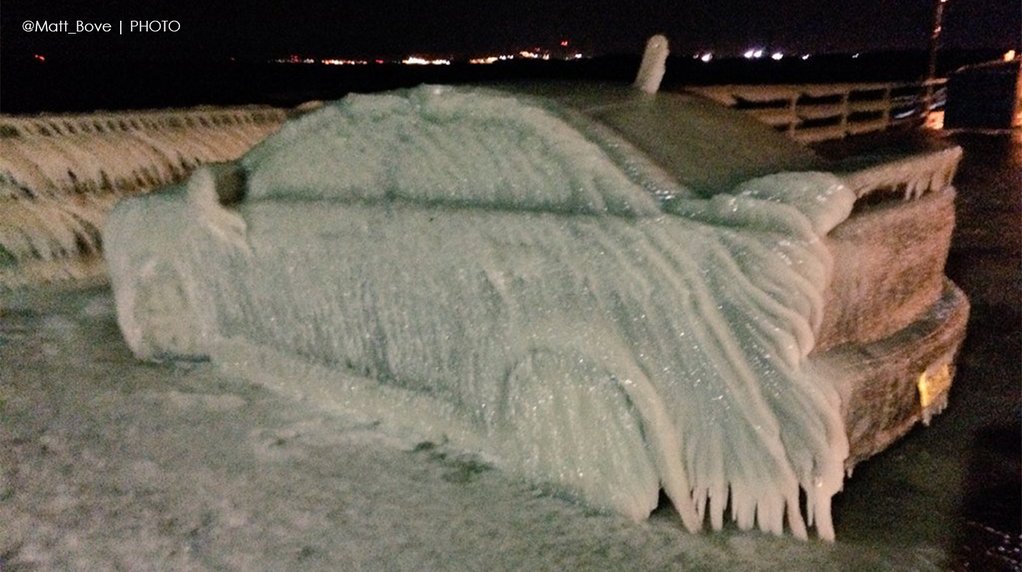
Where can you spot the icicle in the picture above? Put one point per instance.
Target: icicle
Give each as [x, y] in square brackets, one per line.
[60, 174]
[917, 174]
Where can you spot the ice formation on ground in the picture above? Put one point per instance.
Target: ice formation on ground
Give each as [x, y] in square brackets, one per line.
[511, 278]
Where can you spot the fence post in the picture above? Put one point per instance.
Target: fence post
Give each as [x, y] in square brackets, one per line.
[795, 120]
[887, 106]
[845, 111]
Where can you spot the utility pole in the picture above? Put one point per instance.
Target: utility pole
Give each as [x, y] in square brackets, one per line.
[931, 71]
[938, 27]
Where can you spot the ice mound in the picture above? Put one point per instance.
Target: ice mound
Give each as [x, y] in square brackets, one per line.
[503, 274]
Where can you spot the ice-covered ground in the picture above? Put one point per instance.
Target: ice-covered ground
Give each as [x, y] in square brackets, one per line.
[110, 463]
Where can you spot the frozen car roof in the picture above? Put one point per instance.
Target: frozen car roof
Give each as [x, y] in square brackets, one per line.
[705, 146]
[568, 148]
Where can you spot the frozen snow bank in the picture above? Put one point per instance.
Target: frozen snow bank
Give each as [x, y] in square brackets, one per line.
[514, 278]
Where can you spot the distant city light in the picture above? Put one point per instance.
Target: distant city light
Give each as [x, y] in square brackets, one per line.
[337, 62]
[805, 57]
[855, 56]
[777, 56]
[534, 55]
[42, 58]
[1008, 55]
[564, 43]
[753, 53]
[707, 57]
[417, 61]
[295, 59]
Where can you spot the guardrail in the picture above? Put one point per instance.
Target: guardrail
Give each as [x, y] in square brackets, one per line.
[818, 112]
[60, 174]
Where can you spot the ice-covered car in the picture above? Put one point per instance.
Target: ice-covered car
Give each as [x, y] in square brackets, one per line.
[604, 290]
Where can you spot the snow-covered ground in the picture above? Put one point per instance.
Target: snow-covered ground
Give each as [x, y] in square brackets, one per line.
[110, 463]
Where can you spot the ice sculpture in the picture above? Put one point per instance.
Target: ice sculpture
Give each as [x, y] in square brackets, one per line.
[508, 274]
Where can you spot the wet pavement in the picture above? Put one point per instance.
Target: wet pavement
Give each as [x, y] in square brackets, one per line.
[978, 440]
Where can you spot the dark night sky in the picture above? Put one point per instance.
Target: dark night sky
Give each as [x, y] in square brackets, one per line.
[261, 28]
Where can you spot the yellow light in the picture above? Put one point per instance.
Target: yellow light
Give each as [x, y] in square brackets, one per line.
[1009, 55]
[934, 120]
[933, 383]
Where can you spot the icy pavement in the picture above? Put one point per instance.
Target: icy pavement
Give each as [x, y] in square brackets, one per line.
[112, 463]
[109, 463]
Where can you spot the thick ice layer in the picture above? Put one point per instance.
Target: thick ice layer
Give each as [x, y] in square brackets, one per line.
[501, 276]
[436, 145]
[61, 174]
[913, 176]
